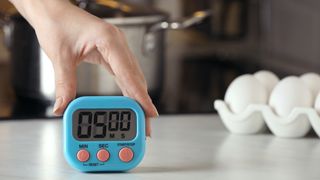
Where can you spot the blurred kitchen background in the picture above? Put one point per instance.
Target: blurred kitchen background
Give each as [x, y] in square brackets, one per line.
[187, 68]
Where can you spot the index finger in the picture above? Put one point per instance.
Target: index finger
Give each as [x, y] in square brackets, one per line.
[127, 73]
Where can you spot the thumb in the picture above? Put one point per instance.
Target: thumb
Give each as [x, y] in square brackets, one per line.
[66, 83]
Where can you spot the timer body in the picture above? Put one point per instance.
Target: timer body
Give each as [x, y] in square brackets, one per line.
[104, 133]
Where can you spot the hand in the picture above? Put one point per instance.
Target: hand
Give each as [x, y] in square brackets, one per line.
[70, 36]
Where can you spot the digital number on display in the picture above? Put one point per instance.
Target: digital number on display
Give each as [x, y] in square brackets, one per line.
[102, 125]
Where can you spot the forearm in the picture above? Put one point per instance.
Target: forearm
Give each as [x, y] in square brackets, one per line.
[38, 10]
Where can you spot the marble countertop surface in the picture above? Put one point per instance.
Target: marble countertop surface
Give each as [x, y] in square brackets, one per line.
[182, 147]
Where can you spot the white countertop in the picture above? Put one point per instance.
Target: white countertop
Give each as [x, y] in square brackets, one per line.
[182, 147]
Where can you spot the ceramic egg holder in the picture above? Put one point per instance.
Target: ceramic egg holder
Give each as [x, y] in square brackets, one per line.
[250, 121]
[257, 117]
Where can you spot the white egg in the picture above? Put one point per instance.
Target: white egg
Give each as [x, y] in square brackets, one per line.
[267, 78]
[289, 93]
[243, 91]
[312, 80]
[317, 103]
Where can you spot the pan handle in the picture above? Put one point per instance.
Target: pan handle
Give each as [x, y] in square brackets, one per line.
[149, 41]
[6, 28]
[196, 18]
[3, 20]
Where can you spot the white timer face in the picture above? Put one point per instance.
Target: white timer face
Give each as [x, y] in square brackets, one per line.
[104, 125]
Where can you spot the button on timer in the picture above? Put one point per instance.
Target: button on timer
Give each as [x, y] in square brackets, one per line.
[126, 154]
[103, 155]
[83, 155]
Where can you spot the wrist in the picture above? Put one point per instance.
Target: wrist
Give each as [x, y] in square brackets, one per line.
[35, 11]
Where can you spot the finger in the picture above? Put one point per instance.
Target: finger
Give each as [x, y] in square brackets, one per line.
[148, 123]
[95, 57]
[140, 94]
[128, 75]
[148, 127]
[150, 109]
[125, 92]
[65, 82]
[139, 69]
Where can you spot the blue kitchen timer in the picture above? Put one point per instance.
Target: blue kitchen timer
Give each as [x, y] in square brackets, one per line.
[104, 133]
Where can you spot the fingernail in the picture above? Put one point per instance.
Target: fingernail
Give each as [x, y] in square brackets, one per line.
[155, 109]
[57, 104]
[148, 134]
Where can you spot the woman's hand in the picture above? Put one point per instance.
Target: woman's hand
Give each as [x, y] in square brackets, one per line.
[69, 35]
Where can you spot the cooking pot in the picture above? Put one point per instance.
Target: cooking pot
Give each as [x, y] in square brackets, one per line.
[143, 27]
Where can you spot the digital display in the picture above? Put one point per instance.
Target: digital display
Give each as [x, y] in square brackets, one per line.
[104, 125]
